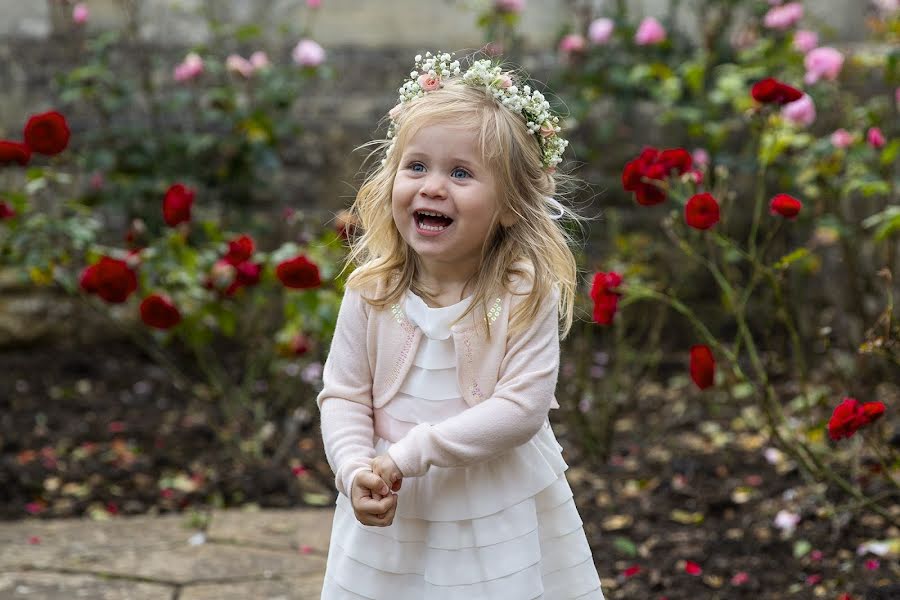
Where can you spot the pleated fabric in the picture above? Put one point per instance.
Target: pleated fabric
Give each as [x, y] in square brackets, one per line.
[504, 529]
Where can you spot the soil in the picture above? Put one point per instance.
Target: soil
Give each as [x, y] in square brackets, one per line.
[101, 429]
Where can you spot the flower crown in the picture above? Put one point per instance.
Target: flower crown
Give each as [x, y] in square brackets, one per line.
[431, 71]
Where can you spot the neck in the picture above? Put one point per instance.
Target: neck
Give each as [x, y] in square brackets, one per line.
[444, 284]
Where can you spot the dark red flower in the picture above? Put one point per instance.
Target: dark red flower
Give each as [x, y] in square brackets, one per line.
[47, 133]
[850, 415]
[246, 274]
[632, 571]
[299, 344]
[157, 310]
[605, 300]
[786, 206]
[110, 278]
[703, 366]
[692, 568]
[177, 204]
[298, 273]
[701, 211]
[6, 211]
[11, 152]
[772, 91]
[240, 249]
[653, 165]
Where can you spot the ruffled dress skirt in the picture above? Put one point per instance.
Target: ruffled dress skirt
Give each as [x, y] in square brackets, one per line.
[503, 529]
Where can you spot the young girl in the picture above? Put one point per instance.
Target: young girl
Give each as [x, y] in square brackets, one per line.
[445, 355]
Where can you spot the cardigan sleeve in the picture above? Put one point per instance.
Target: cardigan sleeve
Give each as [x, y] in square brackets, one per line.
[345, 402]
[513, 414]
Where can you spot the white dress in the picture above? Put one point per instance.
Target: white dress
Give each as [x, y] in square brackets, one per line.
[503, 529]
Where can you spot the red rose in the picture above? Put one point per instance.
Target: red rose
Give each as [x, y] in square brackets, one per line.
[47, 133]
[786, 206]
[850, 415]
[605, 300]
[110, 278]
[701, 211]
[300, 344]
[240, 249]
[772, 91]
[703, 366]
[6, 211]
[11, 152]
[657, 166]
[177, 204]
[246, 274]
[158, 311]
[298, 273]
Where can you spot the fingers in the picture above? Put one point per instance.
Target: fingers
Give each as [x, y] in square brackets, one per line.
[382, 519]
[373, 482]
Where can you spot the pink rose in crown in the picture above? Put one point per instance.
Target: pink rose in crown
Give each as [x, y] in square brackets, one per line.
[429, 83]
[505, 81]
[547, 129]
[822, 63]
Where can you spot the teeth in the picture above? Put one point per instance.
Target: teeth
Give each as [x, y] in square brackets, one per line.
[432, 214]
[432, 227]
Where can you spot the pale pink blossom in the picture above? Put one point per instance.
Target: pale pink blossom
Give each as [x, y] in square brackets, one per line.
[600, 31]
[505, 80]
[875, 138]
[700, 157]
[240, 65]
[547, 129]
[80, 13]
[783, 17]
[259, 60]
[822, 63]
[805, 40]
[189, 68]
[800, 112]
[572, 43]
[429, 83]
[841, 138]
[512, 6]
[786, 521]
[313, 3]
[308, 53]
[649, 32]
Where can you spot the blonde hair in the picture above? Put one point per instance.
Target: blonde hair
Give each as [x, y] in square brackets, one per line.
[523, 188]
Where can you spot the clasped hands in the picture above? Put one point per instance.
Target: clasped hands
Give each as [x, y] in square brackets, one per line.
[373, 493]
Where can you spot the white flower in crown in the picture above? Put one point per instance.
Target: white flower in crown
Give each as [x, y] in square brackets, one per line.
[431, 71]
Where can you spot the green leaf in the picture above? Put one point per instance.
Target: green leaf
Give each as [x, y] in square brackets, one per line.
[787, 260]
[889, 154]
[625, 546]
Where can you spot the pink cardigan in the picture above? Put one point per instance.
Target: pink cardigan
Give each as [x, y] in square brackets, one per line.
[507, 381]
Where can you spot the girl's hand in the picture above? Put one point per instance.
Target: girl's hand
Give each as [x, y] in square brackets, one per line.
[385, 467]
[369, 507]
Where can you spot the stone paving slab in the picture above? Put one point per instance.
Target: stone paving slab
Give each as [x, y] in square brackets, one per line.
[287, 589]
[35, 585]
[287, 529]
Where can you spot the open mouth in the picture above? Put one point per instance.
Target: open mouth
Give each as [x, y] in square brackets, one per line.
[430, 220]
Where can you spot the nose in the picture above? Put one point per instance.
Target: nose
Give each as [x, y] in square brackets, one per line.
[434, 185]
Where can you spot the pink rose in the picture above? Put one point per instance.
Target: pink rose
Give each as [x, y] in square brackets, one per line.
[841, 138]
[547, 129]
[649, 32]
[189, 68]
[259, 60]
[429, 83]
[801, 112]
[783, 17]
[805, 40]
[510, 6]
[701, 157]
[80, 13]
[600, 31]
[505, 81]
[308, 53]
[822, 63]
[238, 64]
[874, 137]
[572, 43]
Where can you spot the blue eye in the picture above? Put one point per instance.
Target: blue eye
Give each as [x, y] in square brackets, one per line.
[460, 170]
[416, 167]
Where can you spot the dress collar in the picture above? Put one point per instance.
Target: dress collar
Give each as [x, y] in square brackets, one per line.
[434, 322]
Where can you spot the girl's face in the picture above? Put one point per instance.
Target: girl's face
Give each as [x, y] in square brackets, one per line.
[444, 199]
